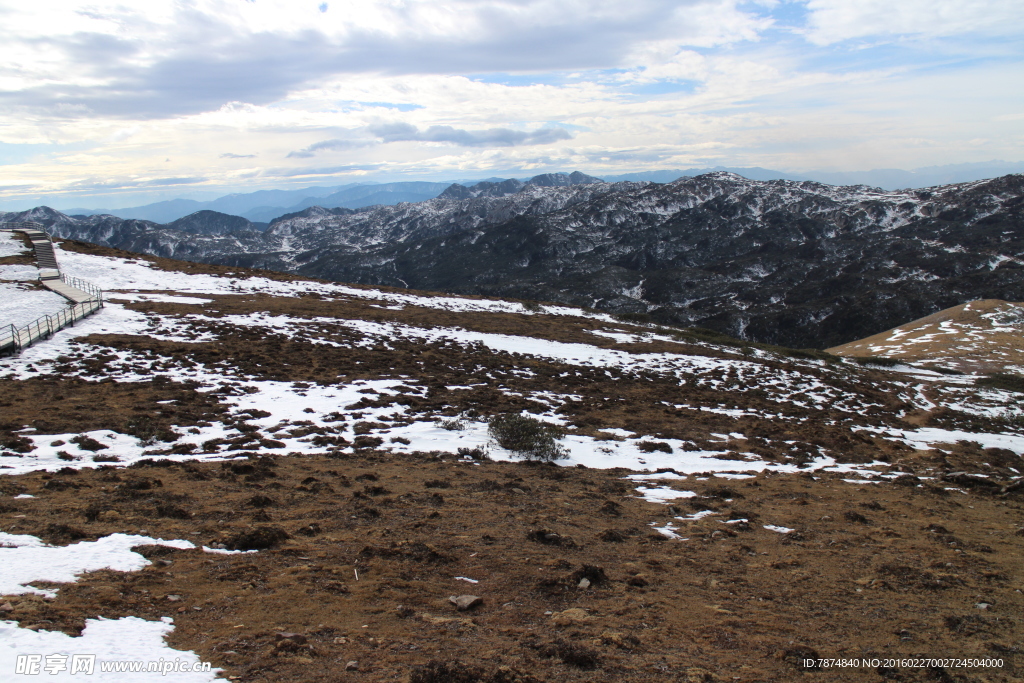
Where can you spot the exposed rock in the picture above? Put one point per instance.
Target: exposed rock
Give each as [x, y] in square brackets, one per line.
[465, 602]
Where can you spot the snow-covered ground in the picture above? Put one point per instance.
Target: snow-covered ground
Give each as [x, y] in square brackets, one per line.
[10, 245]
[137, 275]
[102, 654]
[925, 437]
[281, 399]
[20, 305]
[26, 559]
[19, 272]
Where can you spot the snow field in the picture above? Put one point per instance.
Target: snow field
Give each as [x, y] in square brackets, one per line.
[11, 245]
[19, 272]
[19, 306]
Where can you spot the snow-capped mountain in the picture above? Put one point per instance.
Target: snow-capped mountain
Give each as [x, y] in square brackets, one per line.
[794, 263]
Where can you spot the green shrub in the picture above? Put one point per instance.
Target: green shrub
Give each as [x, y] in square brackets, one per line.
[527, 437]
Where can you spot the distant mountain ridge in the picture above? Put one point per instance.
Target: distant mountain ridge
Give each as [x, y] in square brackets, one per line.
[795, 263]
[265, 205]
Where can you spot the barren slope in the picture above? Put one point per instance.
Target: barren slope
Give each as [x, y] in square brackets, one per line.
[734, 508]
[980, 336]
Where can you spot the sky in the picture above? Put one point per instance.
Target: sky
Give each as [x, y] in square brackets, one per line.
[123, 102]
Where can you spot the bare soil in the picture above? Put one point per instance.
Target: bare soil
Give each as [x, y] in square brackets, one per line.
[880, 570]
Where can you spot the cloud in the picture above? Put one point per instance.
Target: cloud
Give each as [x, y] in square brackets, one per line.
[163, 58]
[126, 183]
[328, 145]
[491, 137]
[833, 21]
[328, 171]
[444, 87]
[406, 132]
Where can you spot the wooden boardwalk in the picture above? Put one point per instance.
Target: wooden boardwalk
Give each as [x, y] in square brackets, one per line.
[85, 298]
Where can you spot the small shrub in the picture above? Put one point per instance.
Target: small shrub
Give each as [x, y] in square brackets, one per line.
[1012, 420]
[87, 443]
[260, 538]
[876, 360]
[549, 537]
[16, 443]
[651, 446]
[1002, 380]
[813, 354]
[62, 533]
[172, 511]
[527, 437]
[453, 425]
[142, 428]
[473, 453]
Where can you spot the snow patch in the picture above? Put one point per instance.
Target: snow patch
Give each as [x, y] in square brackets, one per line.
[27, 559]
[111, 640]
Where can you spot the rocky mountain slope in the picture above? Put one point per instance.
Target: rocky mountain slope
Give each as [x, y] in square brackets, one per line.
[794, 263]
[290, 479]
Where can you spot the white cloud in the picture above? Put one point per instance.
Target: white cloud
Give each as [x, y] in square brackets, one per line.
[110, 90]
[162, 57]
[832, 21]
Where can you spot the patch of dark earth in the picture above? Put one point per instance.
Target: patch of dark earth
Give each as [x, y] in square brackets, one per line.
[359, 555]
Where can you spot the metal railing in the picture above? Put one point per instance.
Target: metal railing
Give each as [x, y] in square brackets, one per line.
[13, 338]
[87, 287]
[22, 225]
